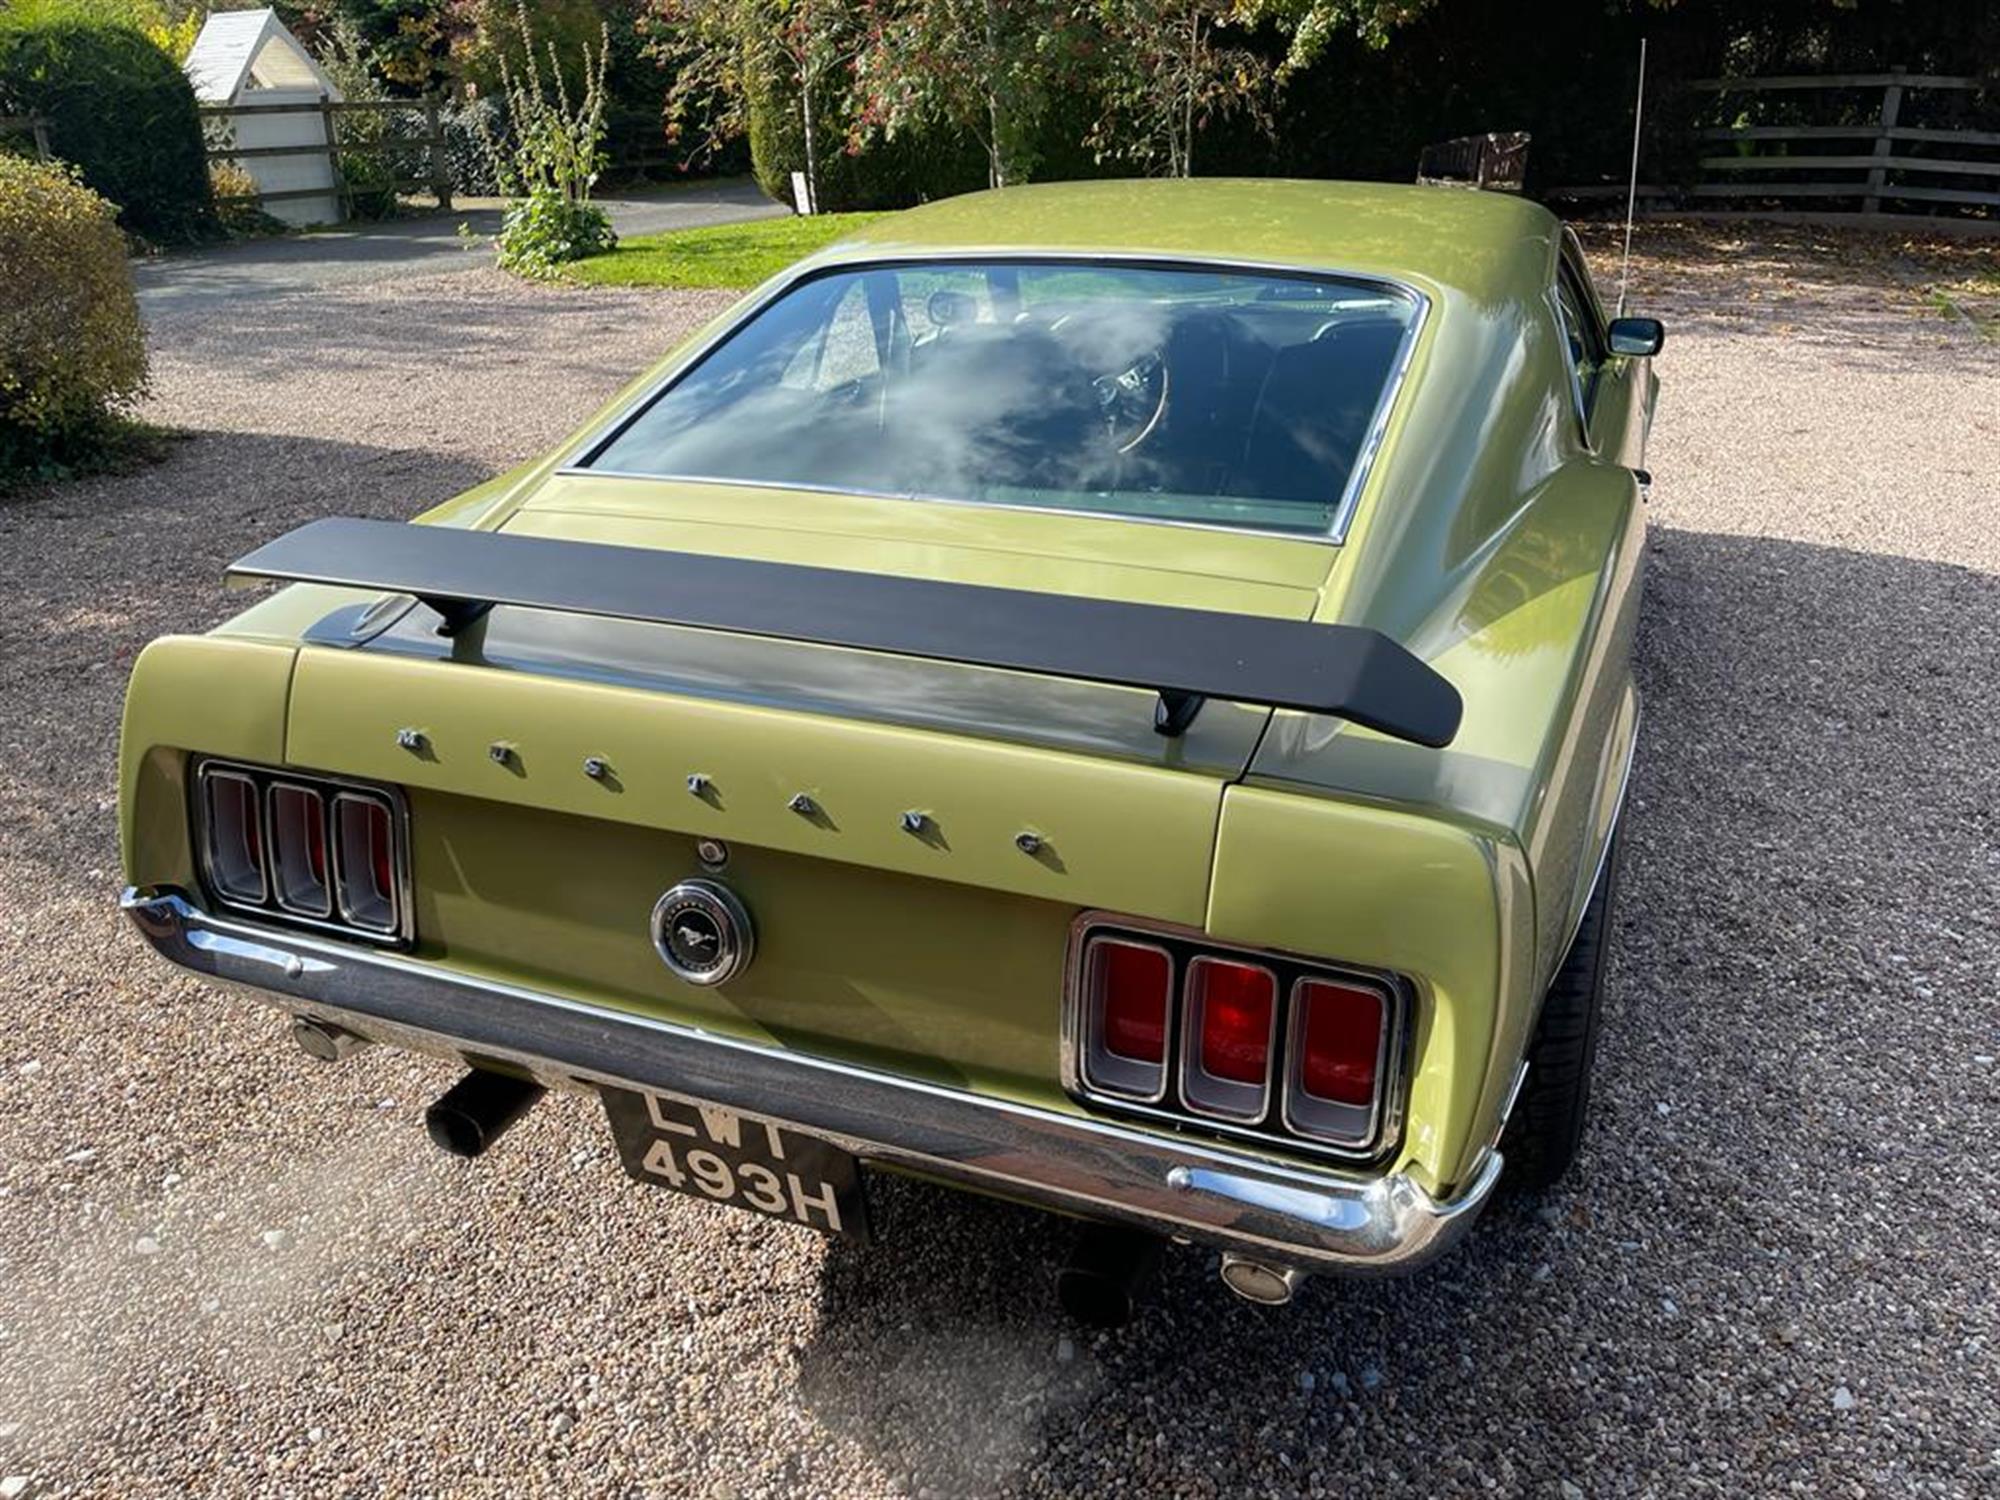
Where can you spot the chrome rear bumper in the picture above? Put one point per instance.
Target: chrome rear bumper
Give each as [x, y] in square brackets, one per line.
[1315, 1220]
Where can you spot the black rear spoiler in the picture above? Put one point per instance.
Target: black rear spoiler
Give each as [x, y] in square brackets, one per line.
[1184, 655]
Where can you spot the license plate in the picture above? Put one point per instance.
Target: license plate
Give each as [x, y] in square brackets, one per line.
[717, 1154]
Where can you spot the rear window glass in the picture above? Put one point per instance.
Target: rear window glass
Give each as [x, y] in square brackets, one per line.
[1178, 394]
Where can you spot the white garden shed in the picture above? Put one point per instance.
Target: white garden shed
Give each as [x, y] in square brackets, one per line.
[249, 61]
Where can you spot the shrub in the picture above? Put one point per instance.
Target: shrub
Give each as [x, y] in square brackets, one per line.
[72, 355]
[370, 171]
[554, 151]
[468, 125]
[236, 205]
[121, 110]
[545, 230]
[922, 162]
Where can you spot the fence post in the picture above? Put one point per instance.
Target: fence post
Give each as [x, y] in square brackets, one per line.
[340, 187]
[1892, 106]
[40, 127]
[440, 169]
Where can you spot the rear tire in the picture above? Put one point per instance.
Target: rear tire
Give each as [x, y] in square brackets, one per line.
[1546, 1129]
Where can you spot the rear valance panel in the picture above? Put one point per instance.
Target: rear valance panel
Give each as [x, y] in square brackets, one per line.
[1110, 834]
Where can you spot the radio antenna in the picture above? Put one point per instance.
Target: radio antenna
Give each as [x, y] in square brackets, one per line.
[1632, 182]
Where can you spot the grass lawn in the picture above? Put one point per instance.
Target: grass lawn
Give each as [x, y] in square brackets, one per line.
[721, 255]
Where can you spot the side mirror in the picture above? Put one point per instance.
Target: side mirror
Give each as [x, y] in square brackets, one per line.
[1639, 337]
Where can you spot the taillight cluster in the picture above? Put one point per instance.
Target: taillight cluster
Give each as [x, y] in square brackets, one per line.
[1246, 1042]
[327, 853]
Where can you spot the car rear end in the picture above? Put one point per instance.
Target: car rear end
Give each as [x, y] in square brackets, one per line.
[1134, 990]
[805, 905]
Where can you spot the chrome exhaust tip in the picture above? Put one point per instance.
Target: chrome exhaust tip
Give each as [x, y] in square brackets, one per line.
[474, 1112]
[1259, 1281]
[323, 1041]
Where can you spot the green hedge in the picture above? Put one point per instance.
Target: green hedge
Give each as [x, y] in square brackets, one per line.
[916, 166]
[72, 354]
[122, 111]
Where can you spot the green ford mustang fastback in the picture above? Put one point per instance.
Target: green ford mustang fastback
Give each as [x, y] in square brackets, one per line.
[1114, 695]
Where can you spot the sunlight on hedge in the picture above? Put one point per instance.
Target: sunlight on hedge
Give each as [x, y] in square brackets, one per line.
[72, 354]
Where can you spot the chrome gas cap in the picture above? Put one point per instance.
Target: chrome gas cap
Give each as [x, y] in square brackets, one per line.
[703, 932]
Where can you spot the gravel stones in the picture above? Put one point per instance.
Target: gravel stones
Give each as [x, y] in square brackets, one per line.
[1805, 967]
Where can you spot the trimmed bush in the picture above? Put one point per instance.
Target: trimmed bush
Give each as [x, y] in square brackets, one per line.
[916, 166]
[122, 111]
[72, 355]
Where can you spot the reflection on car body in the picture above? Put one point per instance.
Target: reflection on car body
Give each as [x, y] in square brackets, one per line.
[1114, 695]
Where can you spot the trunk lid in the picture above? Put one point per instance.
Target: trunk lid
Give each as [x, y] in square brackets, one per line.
[939, 945]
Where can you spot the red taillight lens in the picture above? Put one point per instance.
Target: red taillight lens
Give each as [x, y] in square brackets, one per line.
[1232, 1011]
[234, 834]
[1237, 1005]
[364, 860]
[298, 850]
[1264, 1046]
[1338, 1030]
[1135, 1002]
[1340, 1041]
[1128, 1002]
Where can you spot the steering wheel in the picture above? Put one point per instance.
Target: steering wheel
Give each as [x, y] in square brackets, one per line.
[1132, 400]
[1131, 397]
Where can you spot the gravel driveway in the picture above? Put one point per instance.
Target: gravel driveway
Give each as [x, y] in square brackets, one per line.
[224, 1270]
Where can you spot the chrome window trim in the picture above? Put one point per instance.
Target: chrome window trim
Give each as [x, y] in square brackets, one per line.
[1092, 1030]
[1587, 292]
[578, 463]
[1387, 1046]
[1394, 1096]
[204, 835]
[1191, 1062]
[404, 933]
[1574, 378]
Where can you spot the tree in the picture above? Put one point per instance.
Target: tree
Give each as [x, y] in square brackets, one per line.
[1164, 78]
[717, 48]
[1312, 24]
[985, 67]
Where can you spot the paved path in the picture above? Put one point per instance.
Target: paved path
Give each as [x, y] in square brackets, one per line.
[429, 246]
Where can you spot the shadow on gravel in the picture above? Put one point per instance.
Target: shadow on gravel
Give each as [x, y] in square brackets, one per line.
[157, 540]
[1850, 293]
[93, 570]
[1802, 973]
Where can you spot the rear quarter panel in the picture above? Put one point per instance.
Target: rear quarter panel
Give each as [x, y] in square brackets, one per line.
[1508, 553]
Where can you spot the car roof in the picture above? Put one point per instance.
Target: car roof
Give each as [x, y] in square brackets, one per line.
[1487, 246]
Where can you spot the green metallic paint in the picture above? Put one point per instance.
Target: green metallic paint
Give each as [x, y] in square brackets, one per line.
[1493, 535]
[173, 704]
[1485, 245]
[956, 984]
[1120, 835]
[1105, 559]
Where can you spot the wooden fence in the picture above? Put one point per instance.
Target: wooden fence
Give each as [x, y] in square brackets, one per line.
[1888, 170]
[29, 125]
[431, 143]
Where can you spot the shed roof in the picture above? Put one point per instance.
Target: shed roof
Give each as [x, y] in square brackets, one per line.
[240, 50]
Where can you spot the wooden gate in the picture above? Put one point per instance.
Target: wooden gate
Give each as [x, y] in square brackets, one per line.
[32, 126]
[1867, 163]
[430, 145]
